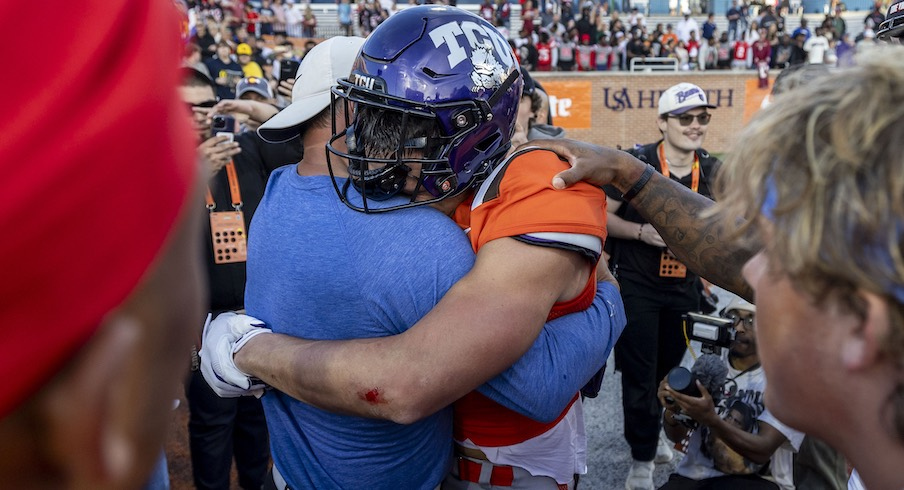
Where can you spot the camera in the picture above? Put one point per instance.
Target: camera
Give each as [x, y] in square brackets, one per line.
[714, 332]
[222, 125]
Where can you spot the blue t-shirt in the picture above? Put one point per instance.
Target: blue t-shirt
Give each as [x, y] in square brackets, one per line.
[319, 270]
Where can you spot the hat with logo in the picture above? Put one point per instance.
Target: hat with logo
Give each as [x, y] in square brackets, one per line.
[253, 84]
[681, 98]
[321, 67]
[243, 48]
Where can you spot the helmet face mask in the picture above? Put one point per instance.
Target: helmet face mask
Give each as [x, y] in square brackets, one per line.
[429, 111]
[892, 28]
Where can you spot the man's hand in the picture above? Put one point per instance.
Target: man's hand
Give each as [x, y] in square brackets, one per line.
[650, 236]
[285, 88]
[223, 337]
[591, 163]
[217, 152]
[702, 409]
[244, 110]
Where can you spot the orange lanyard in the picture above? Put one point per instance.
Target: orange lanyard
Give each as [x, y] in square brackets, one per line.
[234, 190]
[695, 170]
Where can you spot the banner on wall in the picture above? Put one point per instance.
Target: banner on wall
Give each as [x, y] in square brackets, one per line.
[569, 101]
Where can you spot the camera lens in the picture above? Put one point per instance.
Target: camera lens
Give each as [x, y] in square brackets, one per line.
[682, 381]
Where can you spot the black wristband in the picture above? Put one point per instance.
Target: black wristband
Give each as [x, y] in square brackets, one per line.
[638, 186]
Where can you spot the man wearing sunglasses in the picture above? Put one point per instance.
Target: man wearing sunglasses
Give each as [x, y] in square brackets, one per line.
[657, 289]
[238, 166]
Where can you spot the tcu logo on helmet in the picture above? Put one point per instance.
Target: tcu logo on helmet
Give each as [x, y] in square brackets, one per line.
[476, 37]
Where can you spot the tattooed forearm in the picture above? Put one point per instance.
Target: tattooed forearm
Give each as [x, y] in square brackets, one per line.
[703, 245]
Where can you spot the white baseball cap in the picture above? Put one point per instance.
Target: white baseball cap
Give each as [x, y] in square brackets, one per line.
[321, 67]
[739, 304]
[681, 98]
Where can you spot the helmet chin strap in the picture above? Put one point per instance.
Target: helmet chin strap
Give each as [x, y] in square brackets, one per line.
[487, 106]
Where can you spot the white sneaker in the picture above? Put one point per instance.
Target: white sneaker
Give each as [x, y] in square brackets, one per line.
[664, 453]
[640, 476]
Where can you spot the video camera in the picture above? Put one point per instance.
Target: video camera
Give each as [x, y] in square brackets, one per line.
[714, 332]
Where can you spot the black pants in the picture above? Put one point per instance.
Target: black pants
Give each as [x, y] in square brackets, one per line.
[651, 345]
[220, 427]
[730, 482]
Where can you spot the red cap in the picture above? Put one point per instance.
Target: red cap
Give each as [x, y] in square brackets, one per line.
[96, 162]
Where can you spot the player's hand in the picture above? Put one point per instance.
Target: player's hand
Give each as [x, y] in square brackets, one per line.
[217, 152]
[223, 337]
[594, 164]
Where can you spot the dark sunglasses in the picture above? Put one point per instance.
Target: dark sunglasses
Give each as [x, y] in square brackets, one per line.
[207, 104]
[687, 119]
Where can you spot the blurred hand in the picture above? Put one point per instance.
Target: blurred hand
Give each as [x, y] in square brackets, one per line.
[285, 88]
[217, 152]
[650, 236]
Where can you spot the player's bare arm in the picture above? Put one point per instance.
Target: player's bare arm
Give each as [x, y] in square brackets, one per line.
[480, 328]
[675, 211]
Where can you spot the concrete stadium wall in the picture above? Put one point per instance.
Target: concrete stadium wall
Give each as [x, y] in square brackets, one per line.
[619, 109]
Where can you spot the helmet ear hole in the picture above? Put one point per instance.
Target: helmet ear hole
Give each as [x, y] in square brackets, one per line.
[487, 143]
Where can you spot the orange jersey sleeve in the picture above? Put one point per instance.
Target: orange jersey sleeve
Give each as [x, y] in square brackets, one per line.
[518, 199]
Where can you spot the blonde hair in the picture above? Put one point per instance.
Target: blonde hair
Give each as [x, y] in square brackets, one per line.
[824, 164]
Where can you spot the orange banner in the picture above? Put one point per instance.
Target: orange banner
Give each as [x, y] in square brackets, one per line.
[570, 102]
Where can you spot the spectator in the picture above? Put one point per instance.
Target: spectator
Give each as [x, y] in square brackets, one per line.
[838, 23]
[258, 90]
[798, 55]
[267, 17]
[724, 52]
[739, 54]
[685, 26]
[734, 15]
[344, 13]
[205, 41]
[225, 70]
[874, 18]
[487, 11]
[503, 13]
[709, 27]
[669, 37]
[308, 22]
[656, 288]
[220, 428]
[192, 59]
[250, 68]
[567, 49]
[737, 434]
[816, 48]
[802, 29]
[762, 56]
[89, 383]
[546, 55]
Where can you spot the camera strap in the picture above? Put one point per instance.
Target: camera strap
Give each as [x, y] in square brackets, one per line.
[227, 228]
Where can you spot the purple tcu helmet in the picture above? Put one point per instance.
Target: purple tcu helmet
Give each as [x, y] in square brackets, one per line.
[432, 97]
[893, 26]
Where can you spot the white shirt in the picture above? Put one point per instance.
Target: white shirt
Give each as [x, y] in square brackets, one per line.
[684, 27]
[816, 48]
[748, 388]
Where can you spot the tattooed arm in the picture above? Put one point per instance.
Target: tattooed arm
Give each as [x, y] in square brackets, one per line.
[674, 210]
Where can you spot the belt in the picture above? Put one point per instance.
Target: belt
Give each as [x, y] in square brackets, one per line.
[278, 480]
[470, 452]
[483, 472]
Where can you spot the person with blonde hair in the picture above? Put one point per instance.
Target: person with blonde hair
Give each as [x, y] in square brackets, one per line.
[817, 225]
